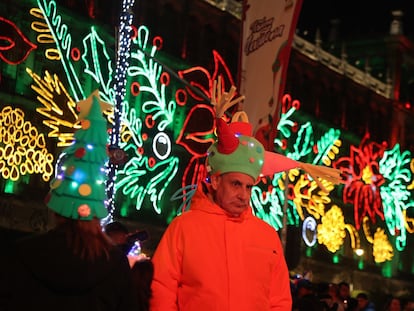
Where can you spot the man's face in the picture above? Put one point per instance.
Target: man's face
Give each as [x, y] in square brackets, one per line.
[233, 191]
[344, 291]
[362, 302]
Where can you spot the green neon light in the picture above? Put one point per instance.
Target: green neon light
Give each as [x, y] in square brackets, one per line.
[396, 198]
[268, 206]
[386, 270]
[63, 41]
[146, 70]
[98, 63]
[131, 179]
[305, 143]
[9, 186]
[361, 264]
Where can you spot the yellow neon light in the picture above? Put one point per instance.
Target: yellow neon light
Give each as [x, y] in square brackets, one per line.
[382, 249]
[367, 175]
[61, 119]
[22, 149]
[333, 152]
[354, 236]
[367, 230]
[411, 186]
[331, 231]
[307, 195]
[45, 36]
[409, 222]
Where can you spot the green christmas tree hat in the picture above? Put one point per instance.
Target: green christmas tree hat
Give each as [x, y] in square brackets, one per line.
[78, 189]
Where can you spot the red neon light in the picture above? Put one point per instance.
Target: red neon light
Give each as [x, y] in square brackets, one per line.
[135, 88]
[200, 78]
[197, 126]
[75, 54]
[288, 103]
[16, 47]
[363, 180]
[151, 162]
[157, 42]
[181, 97]
[165, 78]
[197, 133]
[134, 32]
[149, 121]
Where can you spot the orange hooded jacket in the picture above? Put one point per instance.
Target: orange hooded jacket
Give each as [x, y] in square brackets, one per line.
[209, 261]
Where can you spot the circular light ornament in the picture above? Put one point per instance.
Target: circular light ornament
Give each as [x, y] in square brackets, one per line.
[161, 145]
[309, 231]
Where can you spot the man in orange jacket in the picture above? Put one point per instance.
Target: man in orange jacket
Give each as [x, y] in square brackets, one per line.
[218, 256]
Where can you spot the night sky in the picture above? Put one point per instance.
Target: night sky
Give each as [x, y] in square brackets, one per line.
[357, 17]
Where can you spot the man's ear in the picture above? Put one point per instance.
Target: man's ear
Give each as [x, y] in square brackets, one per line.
[215, 181]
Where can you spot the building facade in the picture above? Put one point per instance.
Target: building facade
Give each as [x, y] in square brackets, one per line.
[347, 105]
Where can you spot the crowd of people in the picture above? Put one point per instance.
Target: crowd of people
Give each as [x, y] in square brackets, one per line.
[217, 256]
[309, 296]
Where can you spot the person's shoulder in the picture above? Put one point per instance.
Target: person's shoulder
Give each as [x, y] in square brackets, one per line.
[116, 254]
[183, 217]
[263, 225]
[33, 243]
[118, 261]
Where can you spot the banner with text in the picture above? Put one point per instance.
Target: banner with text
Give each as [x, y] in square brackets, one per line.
[268, 29]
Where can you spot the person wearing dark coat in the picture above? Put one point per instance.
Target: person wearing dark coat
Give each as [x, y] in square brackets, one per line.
[44, 274]
[74, 266]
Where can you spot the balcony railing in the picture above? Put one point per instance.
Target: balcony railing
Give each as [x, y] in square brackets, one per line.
[316, 53]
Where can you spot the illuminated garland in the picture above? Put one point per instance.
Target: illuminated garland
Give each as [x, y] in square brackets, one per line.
[381, 247]
[124, 33]
[268, 205]
[379, 181]
[92, 60]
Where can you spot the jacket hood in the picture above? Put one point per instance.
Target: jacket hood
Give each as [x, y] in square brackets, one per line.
[202, 200]
[52, 263]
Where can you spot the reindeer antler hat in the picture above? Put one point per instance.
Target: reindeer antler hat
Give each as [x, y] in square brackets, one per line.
[236, 150]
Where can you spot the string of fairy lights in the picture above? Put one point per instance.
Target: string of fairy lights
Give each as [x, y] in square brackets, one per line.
[123, 53]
